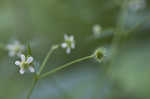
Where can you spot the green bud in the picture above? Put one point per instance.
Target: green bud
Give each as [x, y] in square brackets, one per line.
[99, 54]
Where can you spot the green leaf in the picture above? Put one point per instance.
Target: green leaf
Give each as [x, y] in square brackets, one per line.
[29, 52]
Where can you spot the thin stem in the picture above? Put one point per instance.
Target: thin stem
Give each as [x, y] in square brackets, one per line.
[46, 58]
[32, 87]
[36, 77]
[65, 65]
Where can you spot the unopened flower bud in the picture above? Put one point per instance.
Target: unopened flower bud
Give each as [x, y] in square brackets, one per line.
[99, 54]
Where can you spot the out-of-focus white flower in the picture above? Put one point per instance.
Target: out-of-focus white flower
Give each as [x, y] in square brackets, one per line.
[97, 29]
[69, 43]
[16, 48]
[136, 5]
[26, 63]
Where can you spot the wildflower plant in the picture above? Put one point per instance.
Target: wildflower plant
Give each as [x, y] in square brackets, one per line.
[26, 61]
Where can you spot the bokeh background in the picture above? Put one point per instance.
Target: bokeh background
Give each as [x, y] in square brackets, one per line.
[43, 23]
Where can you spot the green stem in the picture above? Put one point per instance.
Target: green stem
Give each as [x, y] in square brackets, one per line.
[36, 77]
[65, 65]
[46, 58]
[35, 80]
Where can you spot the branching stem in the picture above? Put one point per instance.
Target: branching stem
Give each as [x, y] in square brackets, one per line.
[35, 80]
[65, 65]
[46, 58]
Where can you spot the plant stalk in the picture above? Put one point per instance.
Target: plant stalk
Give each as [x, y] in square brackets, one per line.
[64, 66]
[35, 80]
[46, 58]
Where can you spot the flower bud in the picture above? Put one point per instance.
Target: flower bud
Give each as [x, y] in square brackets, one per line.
[99, 54]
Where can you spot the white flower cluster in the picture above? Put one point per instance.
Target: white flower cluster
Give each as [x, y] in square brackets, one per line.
[26, 63]
[16, 49]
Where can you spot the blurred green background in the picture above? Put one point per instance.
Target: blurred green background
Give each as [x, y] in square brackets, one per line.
[44, 22]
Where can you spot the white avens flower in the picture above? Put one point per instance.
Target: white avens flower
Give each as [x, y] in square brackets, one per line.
[97, 29]
[26, 63]
[69, 43]
[15, 49]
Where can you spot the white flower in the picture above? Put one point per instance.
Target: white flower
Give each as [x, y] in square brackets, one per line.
[15, 48]
[97, 29]
[69, 43]
[25, 63]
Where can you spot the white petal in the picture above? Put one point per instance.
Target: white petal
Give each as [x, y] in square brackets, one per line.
[71, 38]
[73, 45]
[31, 69]
[68, 50]
[21, 71]
[29, 60]
[64, 45]
[17, 63]
[23, 58]
[66, 37]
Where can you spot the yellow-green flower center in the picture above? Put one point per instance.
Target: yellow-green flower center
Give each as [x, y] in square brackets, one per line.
[17, 49]
[24, 65]
[69, 43]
